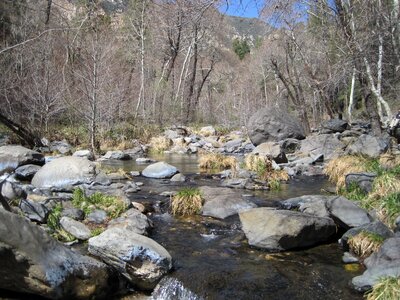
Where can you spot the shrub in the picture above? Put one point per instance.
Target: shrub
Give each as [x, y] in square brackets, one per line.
[217, 162]
[388, 288]
[365, 243]
[112, 205]
[187, 201]
[53, 219]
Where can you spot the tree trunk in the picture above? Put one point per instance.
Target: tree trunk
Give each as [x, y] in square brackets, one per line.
[372, 112]
[31, 139]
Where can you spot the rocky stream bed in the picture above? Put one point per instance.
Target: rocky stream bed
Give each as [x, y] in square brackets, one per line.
[246, 243]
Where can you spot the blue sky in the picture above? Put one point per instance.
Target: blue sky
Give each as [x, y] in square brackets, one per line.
[244, 8]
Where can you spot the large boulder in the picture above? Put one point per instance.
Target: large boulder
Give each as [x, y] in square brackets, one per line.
[33, 262]
[369, 145]
[65, 172]
[159, 170]
[271, 150]
[327, 145]
[13, 156]
[223, 202]
[278, 230]
[142, 261]
[273, 125]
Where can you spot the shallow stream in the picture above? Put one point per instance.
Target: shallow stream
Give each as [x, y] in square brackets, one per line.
[212, 259]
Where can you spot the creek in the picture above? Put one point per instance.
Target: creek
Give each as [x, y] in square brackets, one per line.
[212, 259]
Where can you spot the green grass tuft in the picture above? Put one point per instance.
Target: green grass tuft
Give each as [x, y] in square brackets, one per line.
[112, 205]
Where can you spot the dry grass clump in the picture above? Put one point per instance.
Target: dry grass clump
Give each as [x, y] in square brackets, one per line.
[264, 169]
[389, 161]
[217, 162]
[384, 185]
[159, 144]
[365, 243]
[387, 288]
[338, 168]
[186, 202]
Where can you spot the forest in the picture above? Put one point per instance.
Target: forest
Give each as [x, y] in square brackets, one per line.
[97, 70]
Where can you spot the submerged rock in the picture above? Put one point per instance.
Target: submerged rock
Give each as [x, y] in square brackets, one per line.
[223, 202]
[65, 172]
[139, 259]
[159, 170]
[278, 230]
[33, 262]
[13, 156]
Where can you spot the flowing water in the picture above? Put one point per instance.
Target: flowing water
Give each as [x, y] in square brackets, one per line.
[212, 259]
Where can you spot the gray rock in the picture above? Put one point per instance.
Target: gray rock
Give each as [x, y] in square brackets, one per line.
[223, 202]
[387, 255]
[144, 160]
[278, 230]
[369, 145]
[347, 213]
[290, 145]
[26, 172]
[271, 150]
[335, 125]
[134, 152]
[34, 211]
[117, 155]
[134, 173]
[311, 204]
[233, 144]
[62, 147]
[97, 216]
[376, 227]
[159, 170]
[363, 180]
[236, 183]
[132, 220]
[73, 213]
[84, 153]
[32, 262]
[397, 224]
[328, 145]
[76, 228]
[65, 172]
[273, 125]
[349, 258]
[11, 190]
[178, 178]
[142, 261]
[372, 276]
[13, 156]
